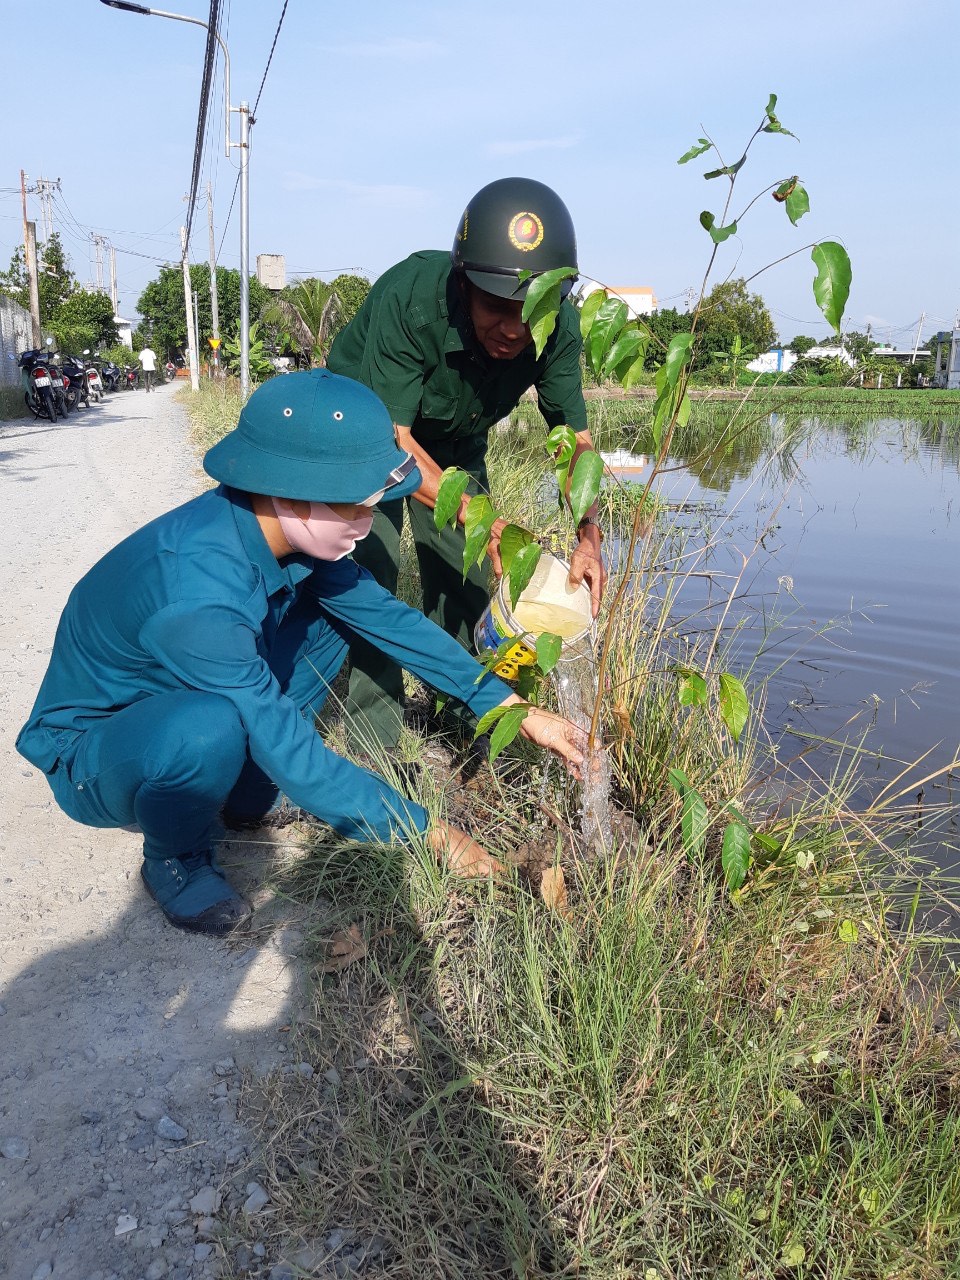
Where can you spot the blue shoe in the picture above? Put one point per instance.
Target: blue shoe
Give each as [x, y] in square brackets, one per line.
[193, 894]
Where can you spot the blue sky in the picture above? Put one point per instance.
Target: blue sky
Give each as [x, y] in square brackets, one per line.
[379, 120]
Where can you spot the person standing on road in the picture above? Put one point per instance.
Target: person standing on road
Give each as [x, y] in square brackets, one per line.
[440, 338]
[190, 662]
[148, 362]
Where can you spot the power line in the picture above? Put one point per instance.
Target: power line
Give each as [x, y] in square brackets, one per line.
[205, 87]
[283, 14]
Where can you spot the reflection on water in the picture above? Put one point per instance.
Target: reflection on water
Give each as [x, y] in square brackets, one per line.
[849, 605]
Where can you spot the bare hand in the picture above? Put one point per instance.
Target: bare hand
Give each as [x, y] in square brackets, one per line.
[460, 853]
[558, 735]
[587, 566]
[493, 546]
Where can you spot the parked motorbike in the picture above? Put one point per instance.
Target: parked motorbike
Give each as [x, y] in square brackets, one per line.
[37, 383]
[110, 373]
[77, 388]
[131, 376]
[59, 382]
[94, 381]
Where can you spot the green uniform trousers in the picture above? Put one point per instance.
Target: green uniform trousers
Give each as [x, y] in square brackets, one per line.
[375, 698]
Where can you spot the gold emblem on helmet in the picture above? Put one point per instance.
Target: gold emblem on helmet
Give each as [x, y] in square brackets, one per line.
[525, 231]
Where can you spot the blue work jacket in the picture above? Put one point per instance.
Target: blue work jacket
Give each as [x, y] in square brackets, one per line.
[194, 600]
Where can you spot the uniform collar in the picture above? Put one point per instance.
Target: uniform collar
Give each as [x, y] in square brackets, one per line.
[276, 577]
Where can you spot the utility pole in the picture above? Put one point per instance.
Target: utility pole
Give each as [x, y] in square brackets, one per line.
[98, 243]
[916, 345]
[113, 280]
[188, 306]
[244, 251]
[45, 189]
[214, 302]
[30, 259]
[196, 322]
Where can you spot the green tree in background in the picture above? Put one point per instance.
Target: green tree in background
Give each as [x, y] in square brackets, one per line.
[663, 324]
[312, 312]
[162, 307]
[351, 292]
[307, 312]
[85, 319]
[729, 311]
[76, 316]
[801, 344]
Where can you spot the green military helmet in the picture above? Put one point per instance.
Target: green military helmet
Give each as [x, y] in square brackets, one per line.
[513, 225]
[316, 436]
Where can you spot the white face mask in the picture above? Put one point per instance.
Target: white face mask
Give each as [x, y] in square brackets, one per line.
[323, 534]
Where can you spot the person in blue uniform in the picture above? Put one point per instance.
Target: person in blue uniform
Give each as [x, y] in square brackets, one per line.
[189, 662]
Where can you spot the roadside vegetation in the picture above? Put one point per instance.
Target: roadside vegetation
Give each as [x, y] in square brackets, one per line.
[611, 1065]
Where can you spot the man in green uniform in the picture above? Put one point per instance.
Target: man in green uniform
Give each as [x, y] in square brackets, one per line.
[441, 340]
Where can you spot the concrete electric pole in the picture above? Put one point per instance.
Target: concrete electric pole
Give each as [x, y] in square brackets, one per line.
[30, 260]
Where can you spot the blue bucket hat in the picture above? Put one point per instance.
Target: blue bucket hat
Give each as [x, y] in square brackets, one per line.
[314, 436]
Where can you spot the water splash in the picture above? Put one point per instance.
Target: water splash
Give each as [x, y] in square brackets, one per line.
[575, 677]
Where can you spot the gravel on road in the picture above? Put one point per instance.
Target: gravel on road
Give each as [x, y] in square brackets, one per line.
[124, 1044]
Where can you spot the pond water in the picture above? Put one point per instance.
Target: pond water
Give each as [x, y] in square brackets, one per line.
[849, 606]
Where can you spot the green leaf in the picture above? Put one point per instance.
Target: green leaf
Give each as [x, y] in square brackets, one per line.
[507, 728]
[521, 571]
[735, 856]
[734, 707]
[831, 289]
[794, 1255]
[699, 147]
[585, 484]
[797, 204]
[678, 780]
[478, 522]
[624, 351]
[588, 312]
[562, 442]
[548, 651]
[694, 821]
[773, 125]
[678, 354]
[543, 287]
[717, 234]
[542, 304]
[489, 658]
[693, 688]
[605, 330]
[512, 540]
[848, 932]
[453, 485]
[729, 171]
[630, 376]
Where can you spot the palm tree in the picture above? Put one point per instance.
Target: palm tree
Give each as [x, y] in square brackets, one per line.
[309, 311]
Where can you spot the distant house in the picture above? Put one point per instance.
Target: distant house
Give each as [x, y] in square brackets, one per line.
[640, 298]
[776, 360]
[946, 373]
[124, 331]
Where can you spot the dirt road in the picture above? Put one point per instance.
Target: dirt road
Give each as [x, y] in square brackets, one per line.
[122, 1042]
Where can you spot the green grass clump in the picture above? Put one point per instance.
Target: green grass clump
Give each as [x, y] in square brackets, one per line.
[214, 410]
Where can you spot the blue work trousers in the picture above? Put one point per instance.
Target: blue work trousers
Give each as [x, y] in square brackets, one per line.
[170, 763]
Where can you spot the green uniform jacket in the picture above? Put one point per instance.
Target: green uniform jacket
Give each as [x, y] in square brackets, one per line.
[412, 343]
